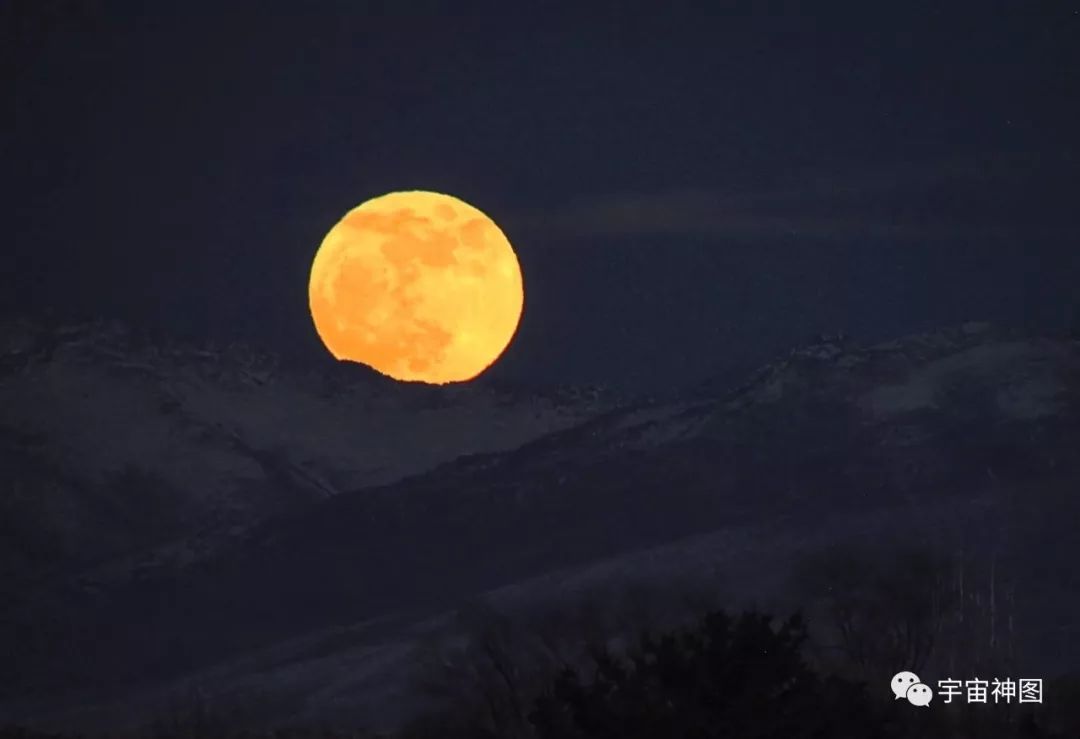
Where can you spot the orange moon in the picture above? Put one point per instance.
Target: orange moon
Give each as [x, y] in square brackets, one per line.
[418, 285]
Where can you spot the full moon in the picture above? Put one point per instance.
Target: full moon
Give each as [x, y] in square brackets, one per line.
[418, 285]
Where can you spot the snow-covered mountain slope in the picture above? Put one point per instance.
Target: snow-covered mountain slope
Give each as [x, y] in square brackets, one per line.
[964, 436]
[112, 445]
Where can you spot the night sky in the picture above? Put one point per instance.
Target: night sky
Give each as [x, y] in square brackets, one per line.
[688, 192]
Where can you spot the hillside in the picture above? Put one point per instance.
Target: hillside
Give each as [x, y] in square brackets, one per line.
[119, 449]
[961, 440]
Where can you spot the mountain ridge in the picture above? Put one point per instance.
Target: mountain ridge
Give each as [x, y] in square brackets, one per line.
[957, 425]
[106, 426]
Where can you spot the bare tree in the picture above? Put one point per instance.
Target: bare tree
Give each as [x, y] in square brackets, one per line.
[884, 610]
[484, 672]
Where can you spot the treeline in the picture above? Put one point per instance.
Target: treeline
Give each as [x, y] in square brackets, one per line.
[673, 662]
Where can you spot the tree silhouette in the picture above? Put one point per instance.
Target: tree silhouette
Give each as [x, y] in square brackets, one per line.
[885, 607]
[723, 677]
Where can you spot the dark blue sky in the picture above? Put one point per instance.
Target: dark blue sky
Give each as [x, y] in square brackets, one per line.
[686, 190]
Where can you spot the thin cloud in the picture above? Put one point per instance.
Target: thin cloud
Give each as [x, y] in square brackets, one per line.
[859, 204]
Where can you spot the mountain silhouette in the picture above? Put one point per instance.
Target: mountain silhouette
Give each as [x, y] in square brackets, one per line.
[963, 439]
